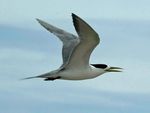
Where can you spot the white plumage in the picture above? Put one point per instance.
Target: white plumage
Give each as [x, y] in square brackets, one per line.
[76, 53]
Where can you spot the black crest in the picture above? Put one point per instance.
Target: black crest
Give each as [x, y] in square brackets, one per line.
[103, 66]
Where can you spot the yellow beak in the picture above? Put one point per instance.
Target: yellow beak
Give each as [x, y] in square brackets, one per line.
[114, 69]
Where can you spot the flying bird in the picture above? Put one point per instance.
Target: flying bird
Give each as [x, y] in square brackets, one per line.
[76, 53]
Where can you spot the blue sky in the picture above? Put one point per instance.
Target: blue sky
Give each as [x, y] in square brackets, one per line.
[27, 49]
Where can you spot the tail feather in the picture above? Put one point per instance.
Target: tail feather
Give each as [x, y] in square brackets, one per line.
[30, 77]
[39, 76]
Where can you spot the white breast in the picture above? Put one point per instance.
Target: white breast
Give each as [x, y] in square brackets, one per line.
[81, 74]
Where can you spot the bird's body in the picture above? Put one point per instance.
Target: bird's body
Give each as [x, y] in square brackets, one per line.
[76, 52]
[74, 74]
[82, 73]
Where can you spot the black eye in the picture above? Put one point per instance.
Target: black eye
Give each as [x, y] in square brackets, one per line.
[103, 66]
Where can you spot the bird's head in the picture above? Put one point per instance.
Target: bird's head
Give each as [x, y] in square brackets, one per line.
[107, 68]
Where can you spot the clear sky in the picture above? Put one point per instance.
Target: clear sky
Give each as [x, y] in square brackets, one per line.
[15, 11]
[27, 49]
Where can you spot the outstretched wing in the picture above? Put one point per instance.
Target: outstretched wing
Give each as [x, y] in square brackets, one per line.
[69, 40]
[89, 39]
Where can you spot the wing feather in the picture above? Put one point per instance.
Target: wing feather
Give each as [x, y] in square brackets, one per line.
[89, 39]
[69, 40]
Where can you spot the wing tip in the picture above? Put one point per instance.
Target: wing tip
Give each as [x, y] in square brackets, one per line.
[39, 20]
[75, 21]
[44, 24]
[74, 16]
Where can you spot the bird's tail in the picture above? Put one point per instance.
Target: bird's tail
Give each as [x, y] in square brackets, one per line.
[29, 78]
[39, 76]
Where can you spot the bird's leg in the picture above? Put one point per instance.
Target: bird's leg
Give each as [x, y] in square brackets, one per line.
[52, 78]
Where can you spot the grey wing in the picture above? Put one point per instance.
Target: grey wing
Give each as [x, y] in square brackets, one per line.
[69, 40]
[89, 39]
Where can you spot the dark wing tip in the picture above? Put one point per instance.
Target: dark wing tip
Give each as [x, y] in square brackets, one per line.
[75, 19]
[38, 20]
[74, 15]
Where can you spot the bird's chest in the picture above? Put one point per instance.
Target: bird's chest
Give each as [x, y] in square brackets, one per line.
[80, 74]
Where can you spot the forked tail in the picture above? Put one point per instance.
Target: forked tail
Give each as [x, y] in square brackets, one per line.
[39, 76]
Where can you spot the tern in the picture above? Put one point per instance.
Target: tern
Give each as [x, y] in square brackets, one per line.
[76, 53]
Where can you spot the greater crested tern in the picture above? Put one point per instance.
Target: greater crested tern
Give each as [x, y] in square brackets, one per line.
[76, 52]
